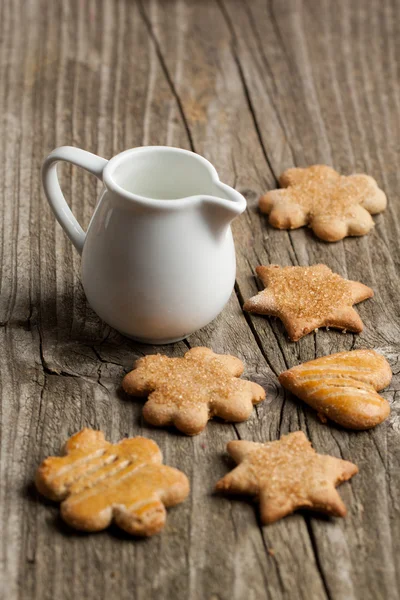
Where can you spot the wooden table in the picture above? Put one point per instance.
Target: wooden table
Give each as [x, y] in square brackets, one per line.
[256, 86]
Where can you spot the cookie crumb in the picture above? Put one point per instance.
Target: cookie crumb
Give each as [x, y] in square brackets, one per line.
[322, 417]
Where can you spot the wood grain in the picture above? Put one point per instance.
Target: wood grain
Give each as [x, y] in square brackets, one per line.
[256, 87]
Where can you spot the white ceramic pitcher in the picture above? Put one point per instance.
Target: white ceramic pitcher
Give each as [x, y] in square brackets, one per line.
[158, 260]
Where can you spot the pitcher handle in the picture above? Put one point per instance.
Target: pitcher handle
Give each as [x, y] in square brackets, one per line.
[88, 161]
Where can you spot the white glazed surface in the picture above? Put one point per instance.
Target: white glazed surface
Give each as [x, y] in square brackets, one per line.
[158, 259]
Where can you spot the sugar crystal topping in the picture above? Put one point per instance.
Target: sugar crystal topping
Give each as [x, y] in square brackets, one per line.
[308, 292]
[290, 466]
[322, 191]
[188, 381]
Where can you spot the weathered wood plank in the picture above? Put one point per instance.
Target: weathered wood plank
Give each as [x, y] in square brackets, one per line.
[371, 509]
[255, 87]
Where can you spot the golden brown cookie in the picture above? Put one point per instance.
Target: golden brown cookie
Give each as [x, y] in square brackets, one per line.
[305, 298]
[187, 392]
[333, 205]
[343, 387]
[286, 475]
[98, 482]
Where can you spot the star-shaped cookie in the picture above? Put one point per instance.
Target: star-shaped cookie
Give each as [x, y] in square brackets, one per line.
[286, 475]
[333, 205]
[98, 482]
[187, 392]
[305, 298]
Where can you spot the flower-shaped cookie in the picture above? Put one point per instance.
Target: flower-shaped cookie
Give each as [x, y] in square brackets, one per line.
[287, 475]
[305, 298]
[187, 392]
[99, 482]
[333, 205]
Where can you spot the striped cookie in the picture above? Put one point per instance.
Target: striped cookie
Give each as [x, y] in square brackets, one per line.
[343, 387]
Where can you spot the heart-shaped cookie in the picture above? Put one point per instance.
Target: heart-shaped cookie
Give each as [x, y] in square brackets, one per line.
[343, 387]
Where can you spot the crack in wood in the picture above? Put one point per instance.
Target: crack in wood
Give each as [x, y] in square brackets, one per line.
[248, 318]
[105, 361]
[166, 72]
[236, 431]
[266, 63]
[245, 87]
[314, 545]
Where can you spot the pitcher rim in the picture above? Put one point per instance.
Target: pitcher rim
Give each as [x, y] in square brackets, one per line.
[112, 185]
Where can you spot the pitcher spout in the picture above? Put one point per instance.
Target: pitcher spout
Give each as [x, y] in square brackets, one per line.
[224, 206]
